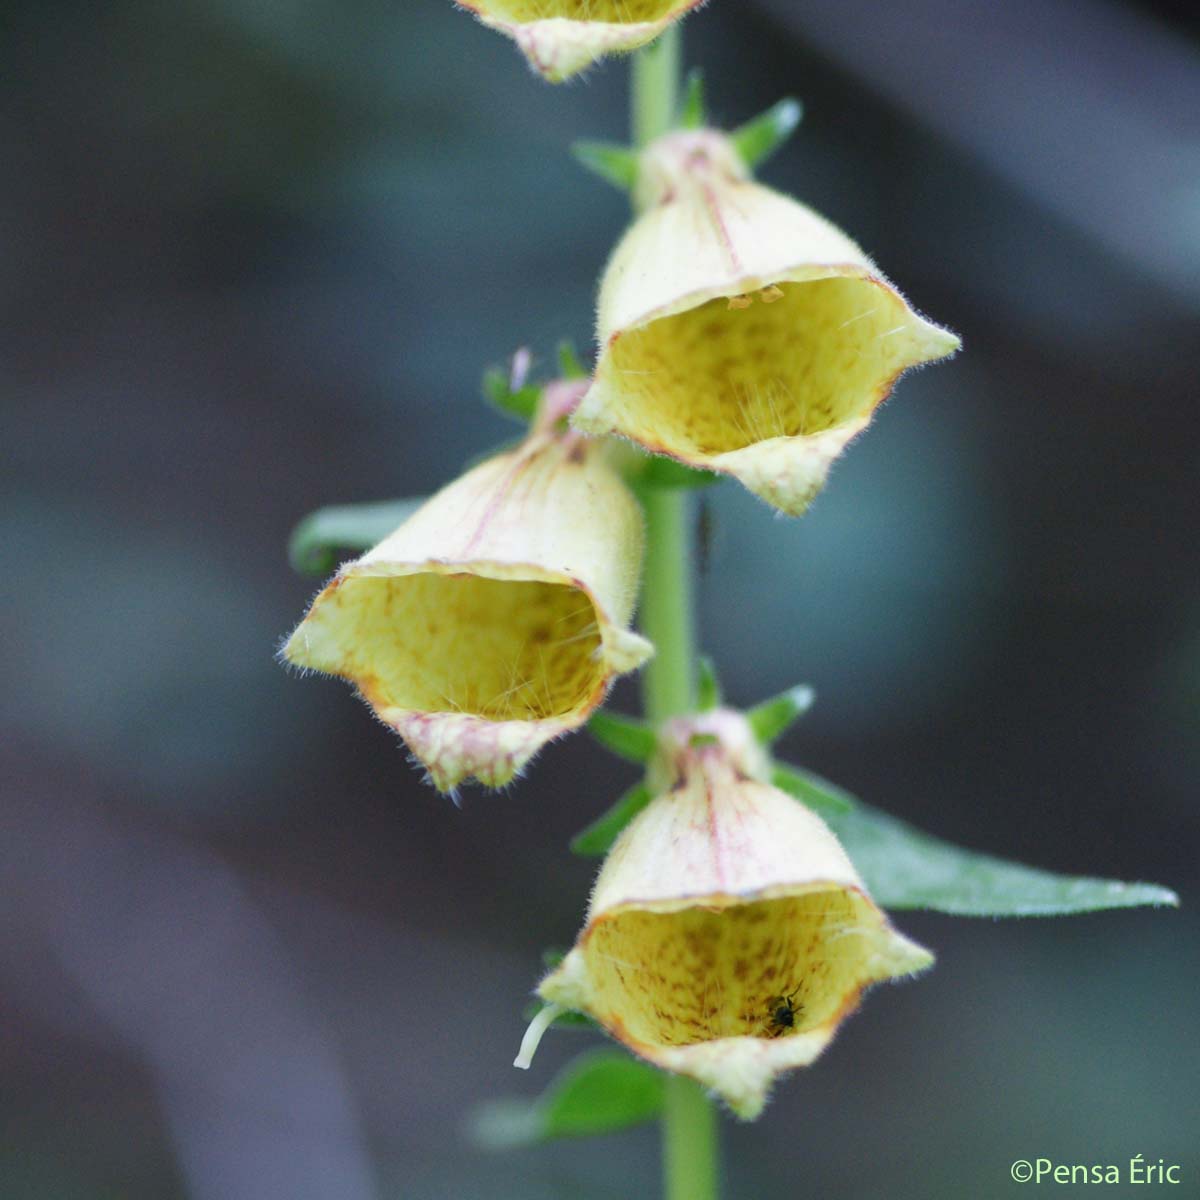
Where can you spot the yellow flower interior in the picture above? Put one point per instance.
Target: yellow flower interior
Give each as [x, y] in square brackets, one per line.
[500, 649]
[619, 12]
[770, 968]
[719, 378]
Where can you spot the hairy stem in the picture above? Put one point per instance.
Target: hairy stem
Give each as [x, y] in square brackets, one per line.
[654, 99]
[689, 1122]
[667, 688]
[689, 1142]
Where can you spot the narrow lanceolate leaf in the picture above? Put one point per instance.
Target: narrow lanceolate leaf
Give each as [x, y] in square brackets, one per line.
[520, 403]
[693, 113]
[597, 839]
[319, 540]
[614, 164]
[602, 1091]
[626, 737]
[772, 717]
[708, 686]
[759, 138]
[824, 798]
[905, 868]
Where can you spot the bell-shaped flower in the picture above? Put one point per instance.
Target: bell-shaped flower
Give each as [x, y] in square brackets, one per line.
[562, 37]
[728, 935]
[741, 332]
[495, 618]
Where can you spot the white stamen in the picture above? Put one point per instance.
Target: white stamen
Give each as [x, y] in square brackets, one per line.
[533, 1035]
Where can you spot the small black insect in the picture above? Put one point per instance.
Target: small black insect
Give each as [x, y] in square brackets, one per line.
[784, 1011]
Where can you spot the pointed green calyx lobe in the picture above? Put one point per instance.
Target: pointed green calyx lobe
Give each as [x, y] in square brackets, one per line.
[614, 163]
[693, 112]
[569, 364]
[708, 686]
[626, 737]
[597, 839]
[773, 717]
[760, 137]
[519, 403]
[824, 798]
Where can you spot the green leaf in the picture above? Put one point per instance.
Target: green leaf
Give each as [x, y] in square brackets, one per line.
[569, 364]
[626, 737]
[772, 717]
[602, 1091]
[597, 839]
[693, 113]
[318, 541]
[708, 686]
[520, 404]
[614, 164]
[759, 138]
[905, 868]
[824, 798]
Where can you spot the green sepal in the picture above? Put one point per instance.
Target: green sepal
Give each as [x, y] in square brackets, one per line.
[520, 404]
[824, 798]
[569, 364]
[693, 112]
[614, 163]
[906, 868]
[773, 717]
[597, 839]
[708, 686]
[759, 138]
[602, 1091]
[626, 737]
[315, 544]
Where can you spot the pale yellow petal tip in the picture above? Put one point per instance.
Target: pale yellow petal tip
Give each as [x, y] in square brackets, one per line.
[742, 1071]
[558, 49]
[456, 748]
[625, 650]
[560, 38]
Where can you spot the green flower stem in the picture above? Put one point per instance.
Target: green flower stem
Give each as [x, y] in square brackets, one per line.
[689, 1142]
[655, 86]
[667, 604]
[668, 680]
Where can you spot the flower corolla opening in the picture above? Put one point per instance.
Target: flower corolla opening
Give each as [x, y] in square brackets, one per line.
[741, 332]
[495, 618]
[728, 934]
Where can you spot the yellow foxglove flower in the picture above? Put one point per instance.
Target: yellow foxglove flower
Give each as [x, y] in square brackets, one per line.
[494, 619]
[741, 332]
[561, 37]
[728, 934]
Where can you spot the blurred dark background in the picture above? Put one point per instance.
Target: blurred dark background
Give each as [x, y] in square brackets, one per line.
[253, 258]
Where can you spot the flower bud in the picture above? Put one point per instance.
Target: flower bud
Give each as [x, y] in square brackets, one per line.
[561, 37]
[741, 332]
[728, 935]
[494, 619]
